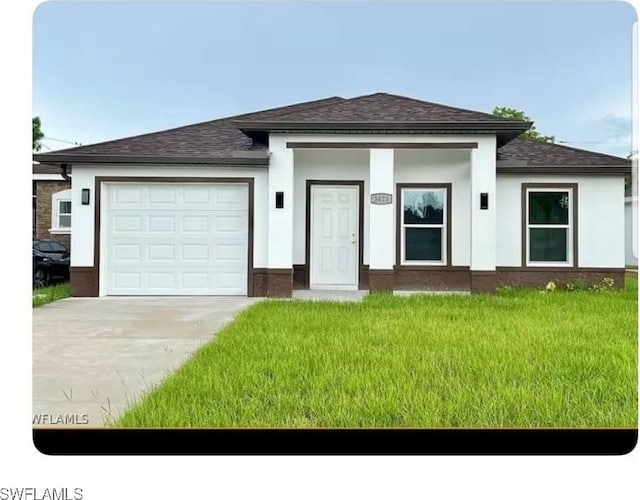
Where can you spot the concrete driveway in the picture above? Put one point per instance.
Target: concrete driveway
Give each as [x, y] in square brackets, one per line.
[92, 357]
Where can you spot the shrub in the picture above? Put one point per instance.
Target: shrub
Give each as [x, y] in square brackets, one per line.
[604, 285]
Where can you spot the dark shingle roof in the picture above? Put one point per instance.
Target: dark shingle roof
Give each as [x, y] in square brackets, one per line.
[222, 139]
[545, 153]
[217, 138]
[382, 107]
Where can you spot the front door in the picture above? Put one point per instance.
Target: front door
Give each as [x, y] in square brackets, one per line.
[334, 237]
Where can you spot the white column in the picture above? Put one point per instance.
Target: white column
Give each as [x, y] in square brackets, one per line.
[483, 222]
[280, 237]
[381, 217]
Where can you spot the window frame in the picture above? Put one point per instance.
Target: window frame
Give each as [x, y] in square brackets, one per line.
[571, 227]
[56, 202]
[401, 261]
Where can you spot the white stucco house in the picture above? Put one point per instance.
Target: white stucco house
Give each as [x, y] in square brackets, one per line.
[379, 192]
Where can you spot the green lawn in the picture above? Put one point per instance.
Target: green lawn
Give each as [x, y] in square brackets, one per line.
[517, 359]
[48, 294]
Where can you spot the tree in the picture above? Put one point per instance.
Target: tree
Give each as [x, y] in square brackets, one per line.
[37, 135]
[514, 114]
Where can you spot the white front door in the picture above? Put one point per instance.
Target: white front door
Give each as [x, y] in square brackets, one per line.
[334, 237]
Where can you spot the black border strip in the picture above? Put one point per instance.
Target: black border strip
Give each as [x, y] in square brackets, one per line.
[335, 441]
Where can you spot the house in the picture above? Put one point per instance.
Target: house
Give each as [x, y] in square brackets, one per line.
[631, 228]
[51, 203]
[378, 192]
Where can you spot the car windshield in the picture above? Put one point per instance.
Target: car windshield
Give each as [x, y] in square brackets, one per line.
[57, 247]
[43, 246]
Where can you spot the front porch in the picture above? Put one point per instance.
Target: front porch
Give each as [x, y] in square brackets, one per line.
[327, 232]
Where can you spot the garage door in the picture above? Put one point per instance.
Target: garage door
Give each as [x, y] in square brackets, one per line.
[175, 239]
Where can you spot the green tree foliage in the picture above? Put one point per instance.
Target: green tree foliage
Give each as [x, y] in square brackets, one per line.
[514, 114]
[37, 134]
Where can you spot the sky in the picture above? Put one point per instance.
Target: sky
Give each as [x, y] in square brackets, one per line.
[105, 70]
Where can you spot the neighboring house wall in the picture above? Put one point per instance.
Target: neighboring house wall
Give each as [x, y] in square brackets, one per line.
[45, 211]
[630, 218]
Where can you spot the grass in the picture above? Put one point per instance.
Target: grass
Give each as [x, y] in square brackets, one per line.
[48, 294]
[522, 358]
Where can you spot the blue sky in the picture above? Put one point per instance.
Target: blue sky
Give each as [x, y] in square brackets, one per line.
[107, 70]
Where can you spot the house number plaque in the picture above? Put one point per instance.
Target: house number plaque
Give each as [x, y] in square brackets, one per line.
[381, 199]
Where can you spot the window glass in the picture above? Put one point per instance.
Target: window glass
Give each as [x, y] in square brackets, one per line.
[548, 244]
[65, 207]
[548, 207]
[423, 243]
[65, 221]
[423, 207]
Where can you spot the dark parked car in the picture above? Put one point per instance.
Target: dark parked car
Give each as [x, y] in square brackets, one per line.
[50, 262]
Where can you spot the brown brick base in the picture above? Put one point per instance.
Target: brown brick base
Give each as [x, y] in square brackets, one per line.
[432, 278]
[536, 278]
[483, 281]
[84, 282]
[381, 280]
[259, 283]
[279, 282]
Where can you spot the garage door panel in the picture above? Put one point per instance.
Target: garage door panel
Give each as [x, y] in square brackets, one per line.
[158, 252]
[176, 240]
[162, 195]
[196, 253]
[126, 253]
[161, 223]
[126, 223]
[196, 223]
[126, 196]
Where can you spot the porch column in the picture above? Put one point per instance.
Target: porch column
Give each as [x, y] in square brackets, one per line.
[381, 222]
[280, 236]
[483, 220]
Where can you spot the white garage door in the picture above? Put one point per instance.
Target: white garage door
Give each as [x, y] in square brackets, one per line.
[175, 239]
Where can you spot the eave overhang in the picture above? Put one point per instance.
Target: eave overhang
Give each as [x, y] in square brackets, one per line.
[261, 160]
[600, 170]
[504, 130]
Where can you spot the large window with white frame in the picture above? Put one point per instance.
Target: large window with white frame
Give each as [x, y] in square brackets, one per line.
[423, 225]
[549, 226]
[61, 212]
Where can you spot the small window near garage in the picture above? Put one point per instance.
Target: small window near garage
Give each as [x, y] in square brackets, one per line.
[423, 226]
[549, 231]
[61, 212]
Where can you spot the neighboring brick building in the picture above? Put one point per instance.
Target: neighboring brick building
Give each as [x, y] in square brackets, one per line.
[51, 204]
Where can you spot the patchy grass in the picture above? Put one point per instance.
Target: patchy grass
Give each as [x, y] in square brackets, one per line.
[48, 294]
[522, 358]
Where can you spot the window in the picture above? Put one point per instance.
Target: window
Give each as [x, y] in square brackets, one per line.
[549, 232]
[61, 212]
[423, 225]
